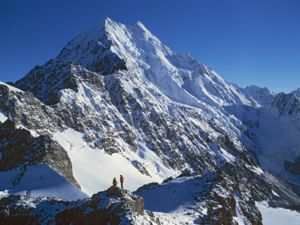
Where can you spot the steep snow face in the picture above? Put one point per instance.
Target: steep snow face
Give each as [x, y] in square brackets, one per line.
[261, 95]
[180, 77]
[39, 181]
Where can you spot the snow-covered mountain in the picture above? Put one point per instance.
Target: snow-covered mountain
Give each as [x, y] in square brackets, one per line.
[116, 100]
[262, 96]
[296, 92]
[287, 103]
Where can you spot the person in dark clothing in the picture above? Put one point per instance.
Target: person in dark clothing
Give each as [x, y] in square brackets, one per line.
[121, 181]
[115, 182]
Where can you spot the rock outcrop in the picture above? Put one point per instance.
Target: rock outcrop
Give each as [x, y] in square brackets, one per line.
[113, 206]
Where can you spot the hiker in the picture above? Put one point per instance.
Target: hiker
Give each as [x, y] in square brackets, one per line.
[115, 182]
[121, 180]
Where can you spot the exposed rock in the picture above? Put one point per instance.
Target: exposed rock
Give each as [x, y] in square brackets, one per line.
[114, 206]
[293, 167]
[286, 104]
[20, 148]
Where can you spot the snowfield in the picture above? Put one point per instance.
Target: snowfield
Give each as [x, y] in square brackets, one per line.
[278, 216]
[174, 201]
[94, 169]
[40, 181]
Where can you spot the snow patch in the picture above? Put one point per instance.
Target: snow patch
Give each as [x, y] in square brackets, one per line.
[11, 87]
[3, 118]
[3, 194]
[277, 216]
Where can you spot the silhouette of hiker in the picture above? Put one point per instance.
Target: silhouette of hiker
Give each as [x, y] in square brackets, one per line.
[115, 182]
[121, 181]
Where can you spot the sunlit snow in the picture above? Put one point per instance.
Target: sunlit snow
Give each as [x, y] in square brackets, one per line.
[278, 216]
[94, 169]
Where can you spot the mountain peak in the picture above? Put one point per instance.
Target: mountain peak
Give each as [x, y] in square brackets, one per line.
[115, 47]
[111, 25]
[110, 42]
[262, 95]
[108, 20]
[93, 49]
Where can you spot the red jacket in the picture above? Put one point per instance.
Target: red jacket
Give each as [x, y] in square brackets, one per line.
[121, 179]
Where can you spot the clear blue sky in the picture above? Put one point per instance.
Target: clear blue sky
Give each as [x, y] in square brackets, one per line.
[245, 41]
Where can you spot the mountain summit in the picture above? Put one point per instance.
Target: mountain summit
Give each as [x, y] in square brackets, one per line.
[116, 100]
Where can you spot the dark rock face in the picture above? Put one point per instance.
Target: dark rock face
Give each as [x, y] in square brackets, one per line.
[228, 195]
[114, 206]
[140, 167]
[77, 216]
[24, 109]
[286, 104]
[94, 54]
[43, 81]
[18, 219]
[221, 210]
[114, 62]
[20, 148]
[293, 167]
[12, 213]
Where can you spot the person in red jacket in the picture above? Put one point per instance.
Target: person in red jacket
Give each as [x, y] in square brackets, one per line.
[121, 180]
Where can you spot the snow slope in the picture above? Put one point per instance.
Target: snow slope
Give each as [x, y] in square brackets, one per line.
[40, 181]
[94, 169]
[278, 216]
[10, 87]
[174, 201]
[173, 196]
[276, 138]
